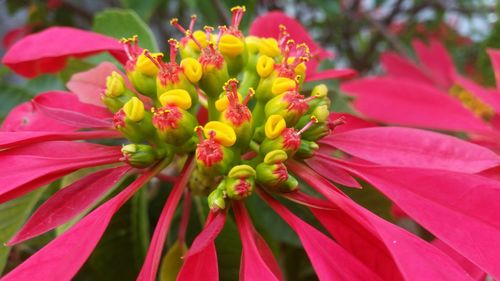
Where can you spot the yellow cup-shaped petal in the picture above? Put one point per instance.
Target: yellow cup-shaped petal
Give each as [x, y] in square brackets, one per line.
[224, 134]
[231, 45]
[282, 84]
[253, 44]
[201, 37]
[274, 126]
[192, 69]
[269, 47]
[241, 171]
[265, 66]
[223, 103]
[115, 86]
[134, 109]
[275, 156]
[146, 66]
[178, 97]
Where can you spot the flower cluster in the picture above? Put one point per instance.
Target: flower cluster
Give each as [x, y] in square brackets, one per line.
[231, 111]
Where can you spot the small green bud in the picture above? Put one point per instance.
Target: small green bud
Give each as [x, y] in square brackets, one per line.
[216, 200]
[139, 155]
[240, 182]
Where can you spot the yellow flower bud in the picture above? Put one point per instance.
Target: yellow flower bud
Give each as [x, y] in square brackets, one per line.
[319, 91]
[252, 43]
[282, 84]
[192, 69]
[145, 65]
[231, 45]
[134, 109]
[201, 37]
[241, 171]
[321, 113]
[115, 86]
[224, 134]
[275, 124]
[178, 97]
[269, 47]
[265, 66]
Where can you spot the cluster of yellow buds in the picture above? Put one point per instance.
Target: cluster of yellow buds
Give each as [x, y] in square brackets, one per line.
[249, 87]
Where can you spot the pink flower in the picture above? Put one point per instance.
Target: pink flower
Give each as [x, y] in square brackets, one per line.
[429, 93]
[427, 174]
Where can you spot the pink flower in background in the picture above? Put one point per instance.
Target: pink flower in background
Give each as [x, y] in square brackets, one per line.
[432, 177]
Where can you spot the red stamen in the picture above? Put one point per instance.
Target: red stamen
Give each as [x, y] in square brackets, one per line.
[174, 46]
[237, 16]
[208, 31]
[250, 94]
[337, 122]
[190, 35]
[192, 23]
[311, 122]
[175, 23]
[222, 31]
[199, 132]
[156, 61]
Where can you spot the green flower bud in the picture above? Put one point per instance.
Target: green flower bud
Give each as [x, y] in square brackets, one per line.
[240, 182]
[306, 149]
[273, 174]
[216, 200]
[139, 155]
[173, 124]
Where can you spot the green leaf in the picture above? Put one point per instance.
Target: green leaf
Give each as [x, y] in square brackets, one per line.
[144, 8]
[11, 96]
[228, 246]
[117, 256]
[12, 216]
[121, 23]
[74, 66]
[172, 262]
[44, 83]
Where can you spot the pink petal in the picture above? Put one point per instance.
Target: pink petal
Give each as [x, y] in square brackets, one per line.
[208, 234]
[307, 200]
[330, 74]
[29, 167]
[89, 85]
[417, 105]
[495, 61]
[400, 67]
[150, 266]
[66, 108]
[25, 117]
[436, 59]
[373, 240]
[62, 258]
[475, 272]
[201, 261]
[406, 147]
[253, 265]
[460, 209]
[12, 139]
[202, 266]
[330, 261]
[332, 173]
[68, 203]
[47, 51]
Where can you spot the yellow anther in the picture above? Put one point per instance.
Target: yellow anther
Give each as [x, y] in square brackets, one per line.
[145, 65]
[282, 84]
[319, 91]
[223, 103]
[177, 97]
[275, 156]
[241, 171]
[275, 125]
[265, 66]
[230, 45]
[134, 109]
[238, 8]
[471, 102]
[115, 86]
[174, 21]
[269, 47]
[252, 43]
[224, 134]
[192, 69]
[130, 39]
